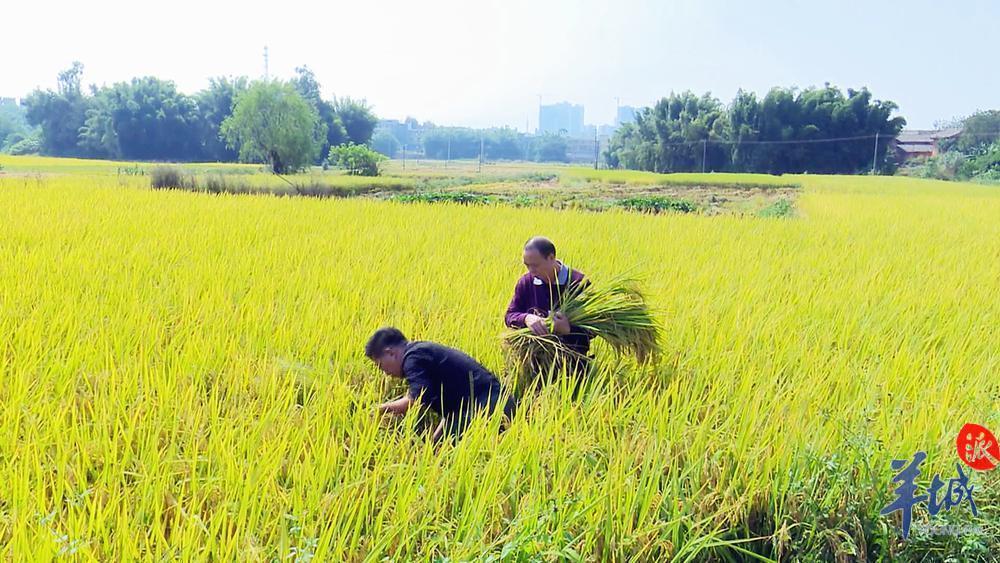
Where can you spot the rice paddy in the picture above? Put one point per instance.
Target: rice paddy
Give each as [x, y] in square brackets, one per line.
[183, 376]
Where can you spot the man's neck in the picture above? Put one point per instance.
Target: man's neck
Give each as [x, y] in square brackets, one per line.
[557, 274]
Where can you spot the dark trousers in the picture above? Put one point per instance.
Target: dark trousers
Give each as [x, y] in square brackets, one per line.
[455, 423]
[579, 364]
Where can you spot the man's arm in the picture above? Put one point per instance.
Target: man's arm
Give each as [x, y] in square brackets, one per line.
[517, 309]
[397, 407]
[517, 315]
[422, 384]
[438, 432]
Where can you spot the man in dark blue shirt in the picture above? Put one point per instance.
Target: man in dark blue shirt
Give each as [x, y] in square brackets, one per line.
[445, 380]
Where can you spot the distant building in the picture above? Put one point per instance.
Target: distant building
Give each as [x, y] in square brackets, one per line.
[581, 151]
[8, 101]
[591, 131]
[408, 132]
[559, 118]
[916, 143]
[394, 127]
[626, 114]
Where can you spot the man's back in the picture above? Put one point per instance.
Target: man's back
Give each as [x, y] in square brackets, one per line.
[444, 378]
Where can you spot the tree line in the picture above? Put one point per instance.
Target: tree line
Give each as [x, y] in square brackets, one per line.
[504, 143]
[147, 118]
[819, 130]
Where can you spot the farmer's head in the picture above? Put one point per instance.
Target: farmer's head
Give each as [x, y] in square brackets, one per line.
[540, 258]
[386, 348]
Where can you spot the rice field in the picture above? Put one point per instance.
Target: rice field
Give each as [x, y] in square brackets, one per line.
[46, 165]
[183, 377]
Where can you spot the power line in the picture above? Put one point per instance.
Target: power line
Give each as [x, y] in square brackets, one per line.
[797, 141]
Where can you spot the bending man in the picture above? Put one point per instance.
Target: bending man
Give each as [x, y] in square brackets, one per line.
[445, 380]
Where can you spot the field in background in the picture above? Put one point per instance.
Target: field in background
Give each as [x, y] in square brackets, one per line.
[525, 184]
[184, 378]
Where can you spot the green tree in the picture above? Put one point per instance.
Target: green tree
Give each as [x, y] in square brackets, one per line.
[358, 119]
[385, 143]
[143, 119]
[215, 104]
[550, 147]
[273, 123]
[979, 131]
[679, 133]
[97, 136]
[60, 113]
[13, 124]
[308, 87]
[794, 124]
[504, 144]
[456, 142]
[786, 131]
[463, 142]
[744, 119]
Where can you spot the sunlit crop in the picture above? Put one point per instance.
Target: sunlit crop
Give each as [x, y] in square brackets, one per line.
[183, 377]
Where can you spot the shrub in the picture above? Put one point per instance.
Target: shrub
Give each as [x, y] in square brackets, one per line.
[656, 204]
[780, 208]
[170, 177]
[358, 160]
[30, 145]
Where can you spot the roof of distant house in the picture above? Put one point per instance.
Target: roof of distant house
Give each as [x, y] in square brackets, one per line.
[926, 136]
[922, 147]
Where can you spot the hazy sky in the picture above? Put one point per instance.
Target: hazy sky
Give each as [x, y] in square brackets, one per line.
[485, 62]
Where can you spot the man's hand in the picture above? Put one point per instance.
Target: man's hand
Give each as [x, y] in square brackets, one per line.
[398, 407]
[560, 324]
[536, 324]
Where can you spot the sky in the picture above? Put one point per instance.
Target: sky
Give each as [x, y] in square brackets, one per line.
[488, 62]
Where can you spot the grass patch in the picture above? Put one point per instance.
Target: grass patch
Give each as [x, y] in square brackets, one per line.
[637, 177]
[780, 208]
[656, 204]
[465, 198]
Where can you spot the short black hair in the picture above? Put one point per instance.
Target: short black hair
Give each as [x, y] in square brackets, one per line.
[383, 338]
[542, 245]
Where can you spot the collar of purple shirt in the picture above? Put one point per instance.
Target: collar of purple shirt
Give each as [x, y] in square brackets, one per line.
[562, 276]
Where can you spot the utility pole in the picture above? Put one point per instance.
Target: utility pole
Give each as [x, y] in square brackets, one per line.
[404, 157]
[448, 159]
[597, 147]
[266, 73]
[539, 113]
[875, 155]
[704, 154]
[480, 153]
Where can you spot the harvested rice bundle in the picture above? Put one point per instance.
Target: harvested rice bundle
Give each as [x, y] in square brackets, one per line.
[616, 312]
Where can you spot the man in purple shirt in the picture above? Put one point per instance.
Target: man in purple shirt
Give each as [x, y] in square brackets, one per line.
[538, 292]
